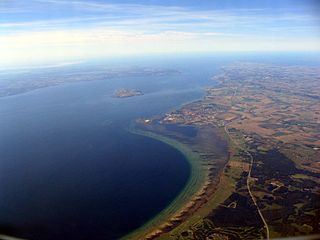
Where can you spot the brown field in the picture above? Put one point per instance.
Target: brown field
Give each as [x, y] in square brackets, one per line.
[273, 112]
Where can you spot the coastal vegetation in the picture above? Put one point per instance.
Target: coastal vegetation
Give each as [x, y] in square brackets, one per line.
[266, 117]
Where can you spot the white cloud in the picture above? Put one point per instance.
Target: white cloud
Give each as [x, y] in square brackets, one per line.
[120, 29]
[99, 42]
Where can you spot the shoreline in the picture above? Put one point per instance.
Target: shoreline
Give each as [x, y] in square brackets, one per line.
[186, 198]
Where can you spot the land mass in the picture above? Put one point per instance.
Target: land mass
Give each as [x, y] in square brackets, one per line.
[256, 135]
[126, 93]
[13, 83]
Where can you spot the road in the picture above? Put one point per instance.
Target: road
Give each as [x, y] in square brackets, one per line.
[249, 172]
[248, 182]
[252, 197]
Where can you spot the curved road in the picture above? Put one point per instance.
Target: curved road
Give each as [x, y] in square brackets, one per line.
[248, 183]
[252, 197]
[249, 173]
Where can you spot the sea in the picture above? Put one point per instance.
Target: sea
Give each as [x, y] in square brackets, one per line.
[69, 167]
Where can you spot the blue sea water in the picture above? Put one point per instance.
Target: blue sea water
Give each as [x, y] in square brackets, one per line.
[70, 170]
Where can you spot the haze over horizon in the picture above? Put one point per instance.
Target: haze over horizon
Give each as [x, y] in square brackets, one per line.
[55, 31]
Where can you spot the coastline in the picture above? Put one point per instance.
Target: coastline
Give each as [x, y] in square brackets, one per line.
[183, 201]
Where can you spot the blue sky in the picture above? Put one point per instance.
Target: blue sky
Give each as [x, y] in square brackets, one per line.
[38, 31]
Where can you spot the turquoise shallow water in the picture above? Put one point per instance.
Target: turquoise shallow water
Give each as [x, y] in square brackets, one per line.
[70, 170]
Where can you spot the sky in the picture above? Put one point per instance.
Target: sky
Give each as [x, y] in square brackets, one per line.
[66, 31]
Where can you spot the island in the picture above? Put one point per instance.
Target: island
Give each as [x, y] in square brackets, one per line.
[126, 93]
[23, 81]
[253, 144]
